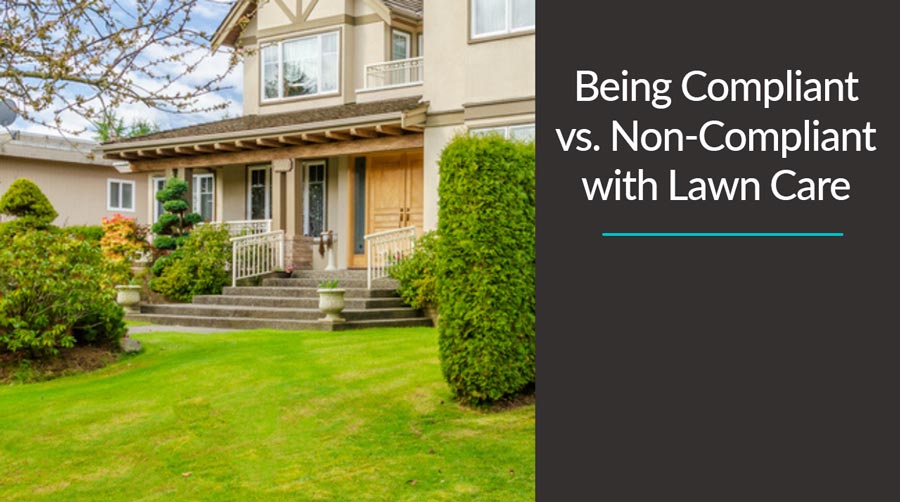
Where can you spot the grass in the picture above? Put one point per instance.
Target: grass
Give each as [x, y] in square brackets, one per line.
[263, 415]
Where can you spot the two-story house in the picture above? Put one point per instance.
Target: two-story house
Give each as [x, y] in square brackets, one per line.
[347, 106]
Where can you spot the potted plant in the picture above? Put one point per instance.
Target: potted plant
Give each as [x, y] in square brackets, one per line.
[331, 301]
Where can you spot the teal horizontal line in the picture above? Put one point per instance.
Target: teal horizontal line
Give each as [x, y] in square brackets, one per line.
[723, 234]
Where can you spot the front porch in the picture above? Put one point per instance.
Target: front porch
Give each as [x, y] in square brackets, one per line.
[354, 170]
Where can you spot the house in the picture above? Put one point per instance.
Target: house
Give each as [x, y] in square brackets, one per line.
[347, 107]
[82, 187]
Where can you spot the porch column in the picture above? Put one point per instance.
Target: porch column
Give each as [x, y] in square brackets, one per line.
[294, 201]
[279, 168]
[298, 248]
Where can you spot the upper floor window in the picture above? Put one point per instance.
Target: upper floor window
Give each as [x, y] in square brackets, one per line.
[524, 132]
[400, 45]
[499, 17]
[119, 195]
[301, 66]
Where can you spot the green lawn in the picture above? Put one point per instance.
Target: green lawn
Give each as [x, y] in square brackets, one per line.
[263, 415]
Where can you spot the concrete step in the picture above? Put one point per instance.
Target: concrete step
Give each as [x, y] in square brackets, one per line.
[193, 310]
[335, 274]
[295, 303]
[280, 324]
[300, 292]
[314, 283]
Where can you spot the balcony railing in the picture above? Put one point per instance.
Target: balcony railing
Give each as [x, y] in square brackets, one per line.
[395, 73]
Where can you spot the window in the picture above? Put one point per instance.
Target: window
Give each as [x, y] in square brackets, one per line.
[300, 67]
[120, 195]
[203, 195]
[314, 194]
[158, 183]
[524, 132]
[259, 193]
[498, 17]
[400, 45]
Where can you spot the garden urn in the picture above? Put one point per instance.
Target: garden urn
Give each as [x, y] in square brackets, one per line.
[331, 303]
[129, 297]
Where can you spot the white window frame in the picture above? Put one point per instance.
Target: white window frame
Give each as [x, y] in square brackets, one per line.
[406, 35]
[109, 183]
[279, 44]
[503, 130]
[195, 196]
[306, 166]
[268, 188]
[506, 31]
[154, 189]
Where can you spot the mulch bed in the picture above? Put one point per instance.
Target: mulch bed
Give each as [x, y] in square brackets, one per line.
[18, 369]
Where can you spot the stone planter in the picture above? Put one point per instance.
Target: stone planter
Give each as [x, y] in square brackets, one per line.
[331, 303]
[432, 313]
[129, 297]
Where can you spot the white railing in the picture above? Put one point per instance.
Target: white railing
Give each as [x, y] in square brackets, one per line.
[387, 248]
[395, 73]
[256, 254]
[245, 227]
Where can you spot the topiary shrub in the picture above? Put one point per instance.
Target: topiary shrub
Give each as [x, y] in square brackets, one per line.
[24, 199]
[173, 227]
[485, 267]
[54, 292]
[416, 274]
[28, 204]
[198, 268]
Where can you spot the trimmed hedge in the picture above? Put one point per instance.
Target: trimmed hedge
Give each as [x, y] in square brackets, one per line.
[485, 267]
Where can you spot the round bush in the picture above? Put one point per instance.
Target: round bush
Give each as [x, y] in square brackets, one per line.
[199, 267]
[24, 199]
[485, 267]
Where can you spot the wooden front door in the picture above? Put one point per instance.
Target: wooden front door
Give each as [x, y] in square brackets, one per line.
[393, 198]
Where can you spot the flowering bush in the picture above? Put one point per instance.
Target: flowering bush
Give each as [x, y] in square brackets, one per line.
[123, 242]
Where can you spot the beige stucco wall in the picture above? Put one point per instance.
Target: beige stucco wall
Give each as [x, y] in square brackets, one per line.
[77, 191]
[463, 76]
[436, 138]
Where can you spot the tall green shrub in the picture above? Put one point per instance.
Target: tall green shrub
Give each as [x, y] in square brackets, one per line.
[485, 267]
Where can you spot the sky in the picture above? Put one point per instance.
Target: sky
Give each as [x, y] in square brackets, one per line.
[207, 16]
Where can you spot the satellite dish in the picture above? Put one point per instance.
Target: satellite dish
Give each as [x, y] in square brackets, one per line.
[8, 113]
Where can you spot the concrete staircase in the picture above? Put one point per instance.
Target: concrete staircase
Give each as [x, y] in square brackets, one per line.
[291, 304]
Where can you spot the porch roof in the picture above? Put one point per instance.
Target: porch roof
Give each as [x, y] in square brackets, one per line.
[281, 135]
